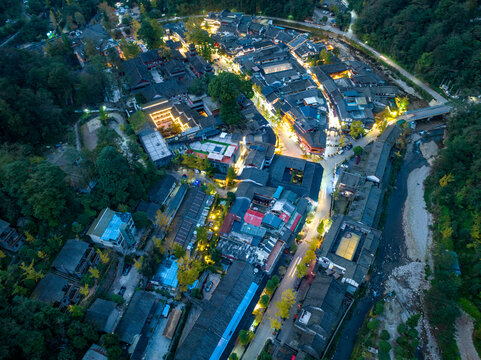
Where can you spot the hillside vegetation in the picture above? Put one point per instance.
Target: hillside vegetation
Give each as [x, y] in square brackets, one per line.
[295, 9]
[437, 39]
[454, 197]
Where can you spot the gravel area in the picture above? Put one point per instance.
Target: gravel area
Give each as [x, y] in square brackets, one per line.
[416, 219]
[429, 150]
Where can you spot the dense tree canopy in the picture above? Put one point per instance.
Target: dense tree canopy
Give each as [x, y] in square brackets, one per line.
[454, 197]
[151, 32]
[296, 9]
[36, 94]
[31, 330]
[438, 39]
[227, 87]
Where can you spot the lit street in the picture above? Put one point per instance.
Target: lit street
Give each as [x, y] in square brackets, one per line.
[287, 142]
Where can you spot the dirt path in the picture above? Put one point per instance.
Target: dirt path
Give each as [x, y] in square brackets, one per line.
[464, 337]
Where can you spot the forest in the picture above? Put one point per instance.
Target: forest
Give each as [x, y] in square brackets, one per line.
[453, 194]
[439, 40]
[294, 9]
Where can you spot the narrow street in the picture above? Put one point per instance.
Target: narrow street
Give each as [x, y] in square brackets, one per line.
[351, 36]
[264, 330]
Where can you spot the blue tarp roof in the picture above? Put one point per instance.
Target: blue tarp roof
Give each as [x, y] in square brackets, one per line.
[167, 273]
[234, 322]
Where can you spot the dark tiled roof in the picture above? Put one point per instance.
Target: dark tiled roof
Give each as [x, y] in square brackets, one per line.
[255, 175]
[217, 313]
[311, 180]
[99, 314]
[135, 317]
[50, 289]
[137, 73]
[70, 255]
[159, 192]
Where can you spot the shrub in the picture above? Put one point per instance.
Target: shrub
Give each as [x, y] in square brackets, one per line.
[385, 335]
[264, 300]
[140, 219]
[373, 324]
[379, 308]
[384, 346]
[245, 337]
[401, 329]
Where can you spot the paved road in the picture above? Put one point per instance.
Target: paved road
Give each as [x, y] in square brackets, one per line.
[264, 330]
[351, 36]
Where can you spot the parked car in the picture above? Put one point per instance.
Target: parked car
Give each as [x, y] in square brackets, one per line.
[126, 270]
[122, 291]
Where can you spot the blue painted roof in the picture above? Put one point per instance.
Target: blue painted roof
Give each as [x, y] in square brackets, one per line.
[309, 111]
[167, 273]
[278, 192]
[272, 220]
[234, 322]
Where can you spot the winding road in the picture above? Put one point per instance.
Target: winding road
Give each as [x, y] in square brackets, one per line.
[351, 36]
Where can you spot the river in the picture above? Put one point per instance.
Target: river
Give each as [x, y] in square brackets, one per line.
[390, 255]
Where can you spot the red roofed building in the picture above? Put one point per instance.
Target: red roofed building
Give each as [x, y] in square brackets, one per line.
[274, 255]
[295, 222]
[227, 223]
[253, 217]
[284, 217]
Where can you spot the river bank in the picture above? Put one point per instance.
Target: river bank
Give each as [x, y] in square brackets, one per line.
[392, 259]
[409, 281]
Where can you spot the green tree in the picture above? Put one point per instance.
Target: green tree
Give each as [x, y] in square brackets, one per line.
[178, 251]
[264, 300]
[112, 184]
[226, 87]
[356, 129]
[373, 324]
[111, 343]
[245, 337]
[358, 150]
[384, 335]
[195, 33]
[47, 193]
[379, 308]
[272, 284]
[140, 219]
[138, 120]
[151, 32]
[301, 270]
[384, 346]
[231, 175]
[130, 49]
